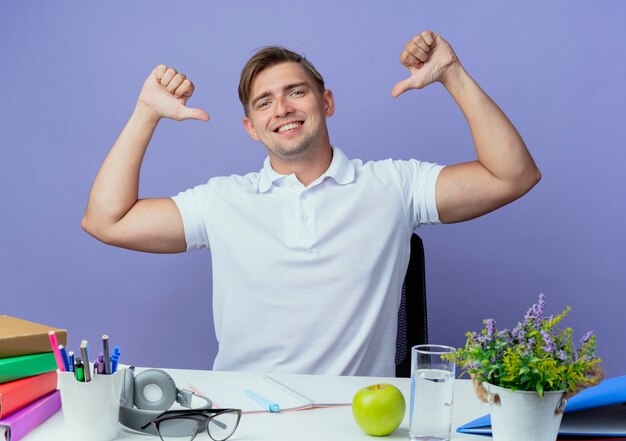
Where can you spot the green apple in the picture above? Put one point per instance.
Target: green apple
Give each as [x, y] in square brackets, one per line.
[378, 409]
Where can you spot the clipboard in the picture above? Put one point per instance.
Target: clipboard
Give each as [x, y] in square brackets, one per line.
[599, 411]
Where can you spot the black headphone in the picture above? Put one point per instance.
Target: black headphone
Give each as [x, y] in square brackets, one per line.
[147, 395]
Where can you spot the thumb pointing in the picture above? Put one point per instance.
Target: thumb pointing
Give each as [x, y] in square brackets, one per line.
[191, 113]
[401, 87]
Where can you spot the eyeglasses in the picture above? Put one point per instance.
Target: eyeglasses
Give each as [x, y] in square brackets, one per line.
[175, 425]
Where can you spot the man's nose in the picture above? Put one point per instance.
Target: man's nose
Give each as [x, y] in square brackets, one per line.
[283, 106]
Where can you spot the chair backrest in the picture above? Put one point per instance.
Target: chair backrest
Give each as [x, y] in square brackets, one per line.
[412, 314]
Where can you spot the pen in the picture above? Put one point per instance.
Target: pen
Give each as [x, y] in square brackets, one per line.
[83, 353]
[55, 348]
[66, 360]
[86, 350]
[79, 370]
[100, 363]
[70, 356]
[263, 402]
[107, 360]
[115, 358]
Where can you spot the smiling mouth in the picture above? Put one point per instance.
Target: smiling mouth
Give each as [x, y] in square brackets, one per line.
[288, 127]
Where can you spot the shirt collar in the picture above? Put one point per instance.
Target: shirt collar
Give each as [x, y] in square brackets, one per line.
[340, 169]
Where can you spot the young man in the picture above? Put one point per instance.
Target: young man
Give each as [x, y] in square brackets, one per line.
[309, 254]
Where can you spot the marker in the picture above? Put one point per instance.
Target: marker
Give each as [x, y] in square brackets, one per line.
[263, 402]
[70, 356]
[65, 358]
[83, 353]
[107, 359]
[55, 348]
[79, 370]
[115, 358]
[100, 363]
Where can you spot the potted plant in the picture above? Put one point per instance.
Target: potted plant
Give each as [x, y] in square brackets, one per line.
[527, 373]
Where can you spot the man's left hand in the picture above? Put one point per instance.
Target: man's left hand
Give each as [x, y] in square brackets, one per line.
[429, 58]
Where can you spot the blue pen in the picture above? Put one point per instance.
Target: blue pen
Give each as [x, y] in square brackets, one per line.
[64, 357]
[70, 356]
[263, 402]
[115, 358]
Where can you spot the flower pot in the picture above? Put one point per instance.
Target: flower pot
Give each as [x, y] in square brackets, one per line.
[524, 416]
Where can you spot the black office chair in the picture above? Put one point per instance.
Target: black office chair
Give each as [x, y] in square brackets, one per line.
[412, 315]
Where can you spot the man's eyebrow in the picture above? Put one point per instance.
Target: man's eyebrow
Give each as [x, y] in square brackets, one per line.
[261, 96]
[287, 87]
[295, 85]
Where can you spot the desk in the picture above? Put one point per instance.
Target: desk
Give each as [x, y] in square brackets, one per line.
[316, 424]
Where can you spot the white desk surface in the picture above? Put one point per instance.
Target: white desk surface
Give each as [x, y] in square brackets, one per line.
[326, 424]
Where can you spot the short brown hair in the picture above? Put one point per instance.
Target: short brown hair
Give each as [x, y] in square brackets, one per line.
[270, 56]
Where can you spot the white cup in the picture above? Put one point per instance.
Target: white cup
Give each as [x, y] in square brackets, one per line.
[91, 410]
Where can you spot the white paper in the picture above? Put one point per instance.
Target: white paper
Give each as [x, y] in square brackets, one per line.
[226, 394]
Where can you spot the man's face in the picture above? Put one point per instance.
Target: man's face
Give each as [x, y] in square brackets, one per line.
[287, 113]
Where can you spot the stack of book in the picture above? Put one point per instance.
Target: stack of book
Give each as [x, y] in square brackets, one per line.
[28, 376]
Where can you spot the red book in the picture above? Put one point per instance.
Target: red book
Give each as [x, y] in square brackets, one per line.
[16, 394]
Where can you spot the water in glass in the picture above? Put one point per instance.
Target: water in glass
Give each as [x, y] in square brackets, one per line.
[431, 411]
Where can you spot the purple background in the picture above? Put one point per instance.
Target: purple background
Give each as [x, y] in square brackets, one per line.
[70, 75]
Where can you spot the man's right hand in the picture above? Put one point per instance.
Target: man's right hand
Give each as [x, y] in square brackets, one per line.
[165, 93]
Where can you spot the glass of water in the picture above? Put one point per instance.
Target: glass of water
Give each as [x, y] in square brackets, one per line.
[432, 392]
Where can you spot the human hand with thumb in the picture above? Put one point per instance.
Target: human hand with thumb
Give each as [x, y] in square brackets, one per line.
[165, 93]
[429, 58]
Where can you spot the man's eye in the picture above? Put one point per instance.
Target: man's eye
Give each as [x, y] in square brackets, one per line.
[297, 93]
[263, 104]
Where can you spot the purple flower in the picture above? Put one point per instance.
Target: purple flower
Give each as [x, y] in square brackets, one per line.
[528, 346]
[586, 338]
[518, 333]
[490, 325]
[505, 335]
[562, 355]
[536, 311]
[549, 344]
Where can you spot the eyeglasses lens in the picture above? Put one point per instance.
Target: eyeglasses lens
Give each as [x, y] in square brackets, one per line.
[171, 429]
[222, 425]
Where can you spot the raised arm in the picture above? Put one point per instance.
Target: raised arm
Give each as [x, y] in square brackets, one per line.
[114, 214]
[504, 169]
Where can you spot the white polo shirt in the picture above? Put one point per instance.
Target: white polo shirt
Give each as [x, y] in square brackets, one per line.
[308, 279]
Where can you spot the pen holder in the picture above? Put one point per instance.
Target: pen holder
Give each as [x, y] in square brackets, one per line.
[91, 410]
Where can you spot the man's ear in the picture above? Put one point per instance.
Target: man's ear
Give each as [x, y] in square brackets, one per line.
[250, 128]
[329, 102]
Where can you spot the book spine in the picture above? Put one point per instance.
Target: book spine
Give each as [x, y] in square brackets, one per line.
[19, 393]
[14, 368]
[26, 419]
[29, 343]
